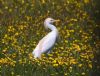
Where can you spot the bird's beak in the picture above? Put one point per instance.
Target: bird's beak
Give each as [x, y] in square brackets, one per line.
[57, 20]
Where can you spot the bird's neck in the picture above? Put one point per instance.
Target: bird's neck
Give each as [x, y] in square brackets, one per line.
[52, 27]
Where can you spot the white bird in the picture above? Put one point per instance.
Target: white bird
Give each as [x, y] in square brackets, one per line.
[46, 43]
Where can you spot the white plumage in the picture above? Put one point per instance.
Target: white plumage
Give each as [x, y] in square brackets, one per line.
[46, 43]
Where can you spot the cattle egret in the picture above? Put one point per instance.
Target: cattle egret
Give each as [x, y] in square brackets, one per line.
[46, 43]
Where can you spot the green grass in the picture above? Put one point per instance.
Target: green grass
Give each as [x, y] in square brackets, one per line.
[21, 27]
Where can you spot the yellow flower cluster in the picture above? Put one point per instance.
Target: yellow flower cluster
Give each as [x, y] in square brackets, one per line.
[21, 27]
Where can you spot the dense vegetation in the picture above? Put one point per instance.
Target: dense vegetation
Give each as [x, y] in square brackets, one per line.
[21, 27]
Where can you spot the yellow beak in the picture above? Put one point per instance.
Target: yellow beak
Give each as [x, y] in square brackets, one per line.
[56, 20]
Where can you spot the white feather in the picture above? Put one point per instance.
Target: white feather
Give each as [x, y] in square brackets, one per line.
[48, 41]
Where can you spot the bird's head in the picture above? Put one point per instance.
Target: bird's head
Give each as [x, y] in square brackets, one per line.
[49, 21]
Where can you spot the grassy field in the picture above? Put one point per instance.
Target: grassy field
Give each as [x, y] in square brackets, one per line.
[21, 27]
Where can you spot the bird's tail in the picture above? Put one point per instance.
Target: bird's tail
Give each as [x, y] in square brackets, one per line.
[36, 54]
[33, 53]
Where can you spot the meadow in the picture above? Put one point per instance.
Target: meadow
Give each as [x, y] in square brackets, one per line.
[21, 27]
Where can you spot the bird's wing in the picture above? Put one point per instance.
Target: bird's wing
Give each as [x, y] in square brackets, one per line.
[47, 42]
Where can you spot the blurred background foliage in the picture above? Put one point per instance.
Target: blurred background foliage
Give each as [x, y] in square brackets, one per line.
[75, 54]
